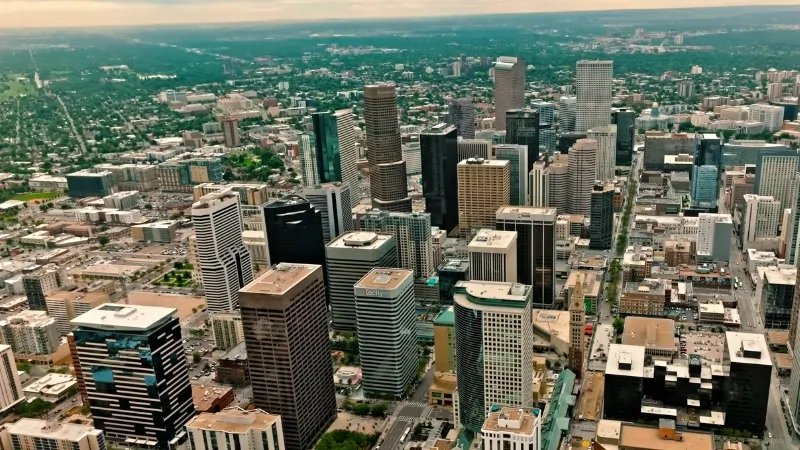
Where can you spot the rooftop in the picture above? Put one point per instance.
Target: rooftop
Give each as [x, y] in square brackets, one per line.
[748, 348]
[497, 296]
[555, 323]
[59, 430]
[124, 317]
[121, 194]
[439, 129]
[625, 360]
[384, 279]
[484, 162]
[775, 275]
[281, 279]
[512, 420]
[649, 332]
[526, 213]
[234, 420]
[590, 401]
[51, 384]
[30, 318]
[493, 239]
[366, 240]
[650, 438]
[205, 396]
[445, 317]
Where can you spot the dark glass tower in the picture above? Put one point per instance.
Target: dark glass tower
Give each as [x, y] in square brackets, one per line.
[326, 141]
[522, 128]
[439, 155]
[450, 272]
[708, 151]
[625, 120]
[601, 220]
[294, 231]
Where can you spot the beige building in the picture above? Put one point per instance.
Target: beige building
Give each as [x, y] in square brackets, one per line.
[197, 275]
[256, 244]
[483, 186]
[444, 341]
[512, 428]
[30, 333]
[236, 428]
[133, 177]
[64, 306]
[227, 329]
[163, 231]
[592, 284]
[252, 194]
[10, 386]
[582, 170]
[36, 434]
[645, 298]
[493, 256]
[656, 335]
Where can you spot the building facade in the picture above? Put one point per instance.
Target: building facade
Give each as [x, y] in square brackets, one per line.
[336, 154]
[593, 80]
[509, 88]
[439, 155]
[483, 186]
[333, 201]
[582, 169]
[493, 256]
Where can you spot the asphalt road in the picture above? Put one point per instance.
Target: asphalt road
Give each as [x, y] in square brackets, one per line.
[391, 440]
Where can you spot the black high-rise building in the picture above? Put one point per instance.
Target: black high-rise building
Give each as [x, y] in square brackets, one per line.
[522, 128]
[450, 272]
[625, 120]
[790, 109]
[439, 157]
[748, 384]
[708, 151]
[461, 113]
[536, 249]
[601, 219]
[294, 231]
[567, 140]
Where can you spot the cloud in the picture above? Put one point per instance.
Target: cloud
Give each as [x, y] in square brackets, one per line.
[104, 13]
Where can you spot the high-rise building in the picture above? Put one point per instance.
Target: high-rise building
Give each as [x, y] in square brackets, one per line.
[577, 323]
[517, 156]
[227, 329]
[86, 183]
[10, 387]
[625, 120]
[522, 128]
[601, 219]
[285, 309]
[775, 175]
[308, 160]
[64, 306]
[412, 232]
[770, 115]
[547, 125]
[538, 185]
[222, 256]
[333, 201]
[714, 234]
[493, 256]
[336, 154]
[593, 81]
[294, 231]
[536, 249]
[748, 383]
[349, 257]
[760, 220]
[230, 132]
[509, 88]
[474, 148]
[582, 170]
[792, 246]
[567, 113]
[658, 145]
[461, 113]
[558, 182]
[704, 184]
[450, 272]
[439, 154]
[606, 138]
[236, 428]
[444, 341]
[517, 428]
[39, 282]
[111, 342]
[384, 304]
[34, 434]
[493, 325]
[30, 333]
[686, 88]
[483, 186]
[387, 170]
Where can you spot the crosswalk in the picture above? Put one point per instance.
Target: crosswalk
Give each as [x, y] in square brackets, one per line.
[407, 418]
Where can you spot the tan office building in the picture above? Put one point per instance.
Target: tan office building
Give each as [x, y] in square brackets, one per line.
[35, 434]
[484, 185]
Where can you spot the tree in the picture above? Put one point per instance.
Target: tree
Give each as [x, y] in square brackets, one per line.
[178, 265]
[43, 208]
[361, 409]
[196, 332]
[378, 410]
[619, 325]
[196, 357]
[103, 241]
[24, 366]
[32, 409]
[148, 206]
[346, 440]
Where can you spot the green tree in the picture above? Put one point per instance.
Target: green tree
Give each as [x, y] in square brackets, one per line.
[378, 410]
[619, 325]
[103, 241]
[24, 366]
[196, 357]
[346, 440]
[178, 265]
[362, 409]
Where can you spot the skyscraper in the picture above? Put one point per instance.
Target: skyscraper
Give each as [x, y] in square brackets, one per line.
[567, 113]
[413, 234]
[577, 323]
[10, 387]
[131, 364]
[547, 125]
[536, 249]
[294, 231]
[483, 186]
[538, 185]
[582, 170]
[601, 220]
[558, 182]
[493, 256]
[308, 160]
[593, 81]
[336, 154]
[350, 257]
[473, 148]
[223, 258]
[387, 170]
[704, 185]
[775, 174]
[606, 137]
[509, 88]
[461, 113]
[522, 128]
[230, 132]
[439, 154]
[288, 350]
[333, 201]
[384, 301]
[517, 156]
[625, 120]
[493, 326]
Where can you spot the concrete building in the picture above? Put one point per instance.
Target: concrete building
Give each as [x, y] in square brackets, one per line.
[606, 137]
[285, 308]
[776, 171]
[760, 222]
[539, 185]
[124, 200]
[308, 160]
[10, 387]
[536, 249]
[577, 325]
[745, 152]
[34, 434]
[63, 306]
[227, 329]
[714, 237]
[657, 145]
[474, 148]
[517, 156]
[86, 183]
[593, 81]
[461, 113]
[255, 242]
[384, 304]
[512, 428]
[230, 132]
[509, 88]
[493, 256]
[444, 341]
[222, 256]
[384, 150]
[601, 219]
[163, 231]
[236, 428]
[704, 184]
[413, 237]
[582, 169]
[109, 333]
[558, 183]
[493, 325]
[483, 186]
[250, 194]
[333, 201]
[336, 153]
[770, 115]
[48, 183]
[567, 113]
[39, 281]
[181, 175]
[132, 177]
[645, 298]
[30, 332]
[349, 257]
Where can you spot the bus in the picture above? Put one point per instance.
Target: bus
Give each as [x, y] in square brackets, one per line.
[405, 434]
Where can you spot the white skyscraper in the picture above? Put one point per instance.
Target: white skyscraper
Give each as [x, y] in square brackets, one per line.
[771, 115]
[775, 175]
[348, 155]
[606, 138]
[493, 256]
[582, 170]
[10, 387]
[474, 148]
[593, 81]
[567, 113]
[221, 253]
[538, 185]
[761, 218]
[308, 161]
[509, 88]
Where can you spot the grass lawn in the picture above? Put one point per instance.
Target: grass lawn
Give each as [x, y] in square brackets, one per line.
[15, 89]
[171, 279]
[37, 196]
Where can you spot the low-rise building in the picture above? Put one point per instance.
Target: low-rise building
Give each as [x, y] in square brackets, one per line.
[124, 200]
[53, 387]
[48, 183]
[35, 434]
[211, 399]
[656, 335]
[645, 298]
[262, 431]
[233, 367]
[592, 287]
[63, 306]
[512, 428]
[163, 231]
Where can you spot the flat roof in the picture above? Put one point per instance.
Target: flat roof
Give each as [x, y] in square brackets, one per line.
[591, 399]
[182, 303]
[524, 213]
[204, 396]
[748, 348]
[647, 438]
[709, 346]
[780, 338]
[620, 354]
[384, 279]
[781, 276]
[493, 239]
[608, 429]
[503, 296]
[124, 317]
[234, 420]
[649, 332]
[366, 240]
[511, 420]
[281, 279]
[72, 432]
[554, 322]
[484, 162]
[783, 361]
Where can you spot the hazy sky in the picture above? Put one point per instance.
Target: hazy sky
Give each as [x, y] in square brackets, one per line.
[82, 13]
